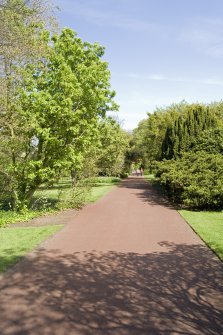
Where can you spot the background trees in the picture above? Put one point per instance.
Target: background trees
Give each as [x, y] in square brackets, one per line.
[148, 137]
[69, 93]
[195, 179]
[55, 93]
[186, 128]
[183, 146]
[113, 148]
[21, 42]
[54, 97]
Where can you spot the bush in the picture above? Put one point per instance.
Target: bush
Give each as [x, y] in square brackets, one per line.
[195, 179]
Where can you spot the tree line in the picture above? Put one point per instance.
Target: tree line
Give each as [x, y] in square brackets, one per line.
[55, 96]
[183, 145]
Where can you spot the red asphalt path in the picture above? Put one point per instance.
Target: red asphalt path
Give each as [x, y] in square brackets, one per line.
[125, 265]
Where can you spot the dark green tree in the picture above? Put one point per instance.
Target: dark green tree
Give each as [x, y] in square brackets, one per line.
[188, 126]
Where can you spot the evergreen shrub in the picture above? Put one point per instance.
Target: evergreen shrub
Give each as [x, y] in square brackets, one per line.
[194, 180]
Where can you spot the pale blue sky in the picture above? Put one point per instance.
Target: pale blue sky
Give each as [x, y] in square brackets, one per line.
[159, 51]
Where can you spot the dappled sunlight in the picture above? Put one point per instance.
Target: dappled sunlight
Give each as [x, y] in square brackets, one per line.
[174, 292]
[146, 191]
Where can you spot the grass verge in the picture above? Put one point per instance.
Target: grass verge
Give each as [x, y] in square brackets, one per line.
[15, 242]
[100, 187]
[209, 226]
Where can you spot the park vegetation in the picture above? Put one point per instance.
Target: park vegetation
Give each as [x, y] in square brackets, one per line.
[183, 145]
[55, 128]
[55, 96]
[59, 148]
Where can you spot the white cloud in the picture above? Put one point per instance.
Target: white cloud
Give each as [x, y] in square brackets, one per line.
[212, 81]
[161, 77]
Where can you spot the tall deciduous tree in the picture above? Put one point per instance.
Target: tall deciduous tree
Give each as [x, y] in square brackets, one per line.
[149, 135]
[59, 104]
[114, 142]
[21, 42]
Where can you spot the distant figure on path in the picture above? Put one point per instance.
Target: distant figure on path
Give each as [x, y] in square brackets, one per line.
[141, 171]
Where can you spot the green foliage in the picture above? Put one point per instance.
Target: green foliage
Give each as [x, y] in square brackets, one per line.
[148, 137]
[54, 125]
[186, 128]
[209, 225]
[22, 42]
[195, 179]
[7, 217]
[183, 144]
[65, 195]
[55, 93]
[113, 147]
[170, 131]
[21, 22]
[138, 151]
[210, 140]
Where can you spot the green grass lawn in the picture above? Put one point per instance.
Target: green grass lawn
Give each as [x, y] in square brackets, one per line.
[98, 192]
[57, 191]
[101, 186]
[16, 242]
[209, 226]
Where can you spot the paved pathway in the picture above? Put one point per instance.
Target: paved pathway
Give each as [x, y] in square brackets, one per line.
[126, 265]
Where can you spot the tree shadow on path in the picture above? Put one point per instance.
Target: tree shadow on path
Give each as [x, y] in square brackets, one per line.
[177, 291]
[147, 192]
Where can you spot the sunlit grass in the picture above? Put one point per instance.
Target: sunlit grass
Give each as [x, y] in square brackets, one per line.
[98, 192]
[101, 186]
[150, 177]
[209, 226]
[16, 242]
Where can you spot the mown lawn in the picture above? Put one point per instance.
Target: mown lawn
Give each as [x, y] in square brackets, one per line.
[209, 226]
[102, 186]
[15, 242]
